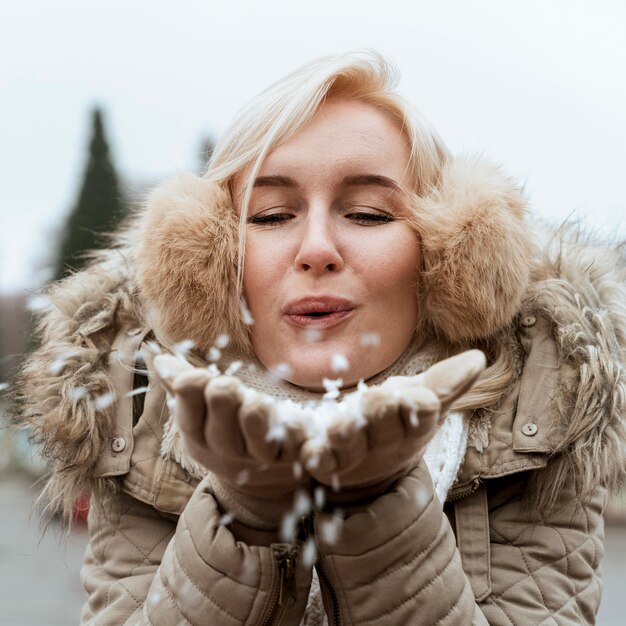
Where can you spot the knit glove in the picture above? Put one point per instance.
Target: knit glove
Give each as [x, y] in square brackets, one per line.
[385, 429]
[233, 431]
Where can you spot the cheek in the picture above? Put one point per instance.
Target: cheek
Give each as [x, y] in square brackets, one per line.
[393, 266]
[264, 267]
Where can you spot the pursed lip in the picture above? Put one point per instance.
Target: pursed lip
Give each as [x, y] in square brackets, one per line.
[318, 311]
[317, 304]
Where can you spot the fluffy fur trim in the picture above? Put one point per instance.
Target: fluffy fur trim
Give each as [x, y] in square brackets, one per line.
[57, 389]
[580, 284]
[476, 248]
[187, 263]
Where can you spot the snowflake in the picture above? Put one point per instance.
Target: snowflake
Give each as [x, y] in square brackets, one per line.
[370, 340]
[38, 303]
[339, 362]
[311, 335]
[233, 368]
[183, 347]
[246, 316]
[226, 519]
[104, 401]
[282, 370]
[421, 496]
[137, 392]
[60, 362]
[78, 393]
[329, 529]
[332, 388]
[309, 553]
[214, 354]
[288, 526]
[222, 341]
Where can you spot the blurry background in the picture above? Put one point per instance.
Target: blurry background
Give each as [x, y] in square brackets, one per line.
[99, 101]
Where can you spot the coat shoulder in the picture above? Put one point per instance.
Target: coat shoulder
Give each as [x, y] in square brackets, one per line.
[565, 412]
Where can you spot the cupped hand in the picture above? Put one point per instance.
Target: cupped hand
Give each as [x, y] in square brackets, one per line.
[389, 425]
[232, 430]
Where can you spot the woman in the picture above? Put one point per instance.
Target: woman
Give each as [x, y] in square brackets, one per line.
[286, 488]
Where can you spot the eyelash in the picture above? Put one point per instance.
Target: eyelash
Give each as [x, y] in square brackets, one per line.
[364, 218]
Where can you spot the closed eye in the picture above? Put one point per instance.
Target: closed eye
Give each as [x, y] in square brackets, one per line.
[368, 218]
[271, 219]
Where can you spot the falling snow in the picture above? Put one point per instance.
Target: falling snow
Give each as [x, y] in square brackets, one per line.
[104, 401]
[243, 477]
[233, 368]
[302, 503]
[153, 346]
[370, 340]
[319, 497]
[281, 370]
[421, 496]
[137, 392]
[332, 387]
[78, 393]
[288, 526]
[297, 470]
[56, 367]
[329, 529]
[226, 519]
[38, 303]
[312, 335]
[214, 354]
[309, 553]
[339, 362]
[246, 316]
[183, 347]
[154, 598]
[222, 341]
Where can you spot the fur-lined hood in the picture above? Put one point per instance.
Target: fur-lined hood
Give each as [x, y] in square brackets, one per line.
[174, 269]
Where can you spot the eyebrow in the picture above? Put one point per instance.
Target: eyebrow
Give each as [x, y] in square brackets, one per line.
[348, 181]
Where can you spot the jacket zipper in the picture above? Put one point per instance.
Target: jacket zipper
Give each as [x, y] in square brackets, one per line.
[335, 616]
[285, 595]
[466, 492]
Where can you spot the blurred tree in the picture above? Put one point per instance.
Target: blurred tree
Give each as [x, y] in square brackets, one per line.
[99, 208]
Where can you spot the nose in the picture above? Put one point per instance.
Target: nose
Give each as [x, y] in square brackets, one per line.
[319, 251]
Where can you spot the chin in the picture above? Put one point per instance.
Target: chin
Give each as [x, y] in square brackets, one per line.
[312, 377]
[314, 382]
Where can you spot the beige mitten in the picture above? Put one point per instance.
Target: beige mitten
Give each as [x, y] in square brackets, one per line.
[364, 453]
[234, 432]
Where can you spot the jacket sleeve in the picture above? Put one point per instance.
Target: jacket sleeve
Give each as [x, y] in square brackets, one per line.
[144, 567]
[397, 561]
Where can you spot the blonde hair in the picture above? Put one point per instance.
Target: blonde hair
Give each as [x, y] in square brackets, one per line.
[279, 112]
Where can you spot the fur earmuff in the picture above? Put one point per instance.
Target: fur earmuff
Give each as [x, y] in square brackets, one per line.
[477, 250]
[187, 263]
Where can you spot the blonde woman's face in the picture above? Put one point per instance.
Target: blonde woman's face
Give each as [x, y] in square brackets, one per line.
[331, 261]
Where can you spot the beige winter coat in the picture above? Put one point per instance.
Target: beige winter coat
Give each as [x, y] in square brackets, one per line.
[519, 540]
[159, 555]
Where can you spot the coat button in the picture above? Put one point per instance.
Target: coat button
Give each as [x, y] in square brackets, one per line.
[529, 320]
[529, 429]
[118, 444]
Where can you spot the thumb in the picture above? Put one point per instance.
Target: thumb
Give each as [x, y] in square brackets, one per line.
[168, 367]
[451, 378]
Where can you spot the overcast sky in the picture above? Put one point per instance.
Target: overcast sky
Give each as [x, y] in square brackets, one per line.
[537, 85]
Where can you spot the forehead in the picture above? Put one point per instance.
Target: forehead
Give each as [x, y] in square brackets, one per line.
[345, 137]
[343, 131]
